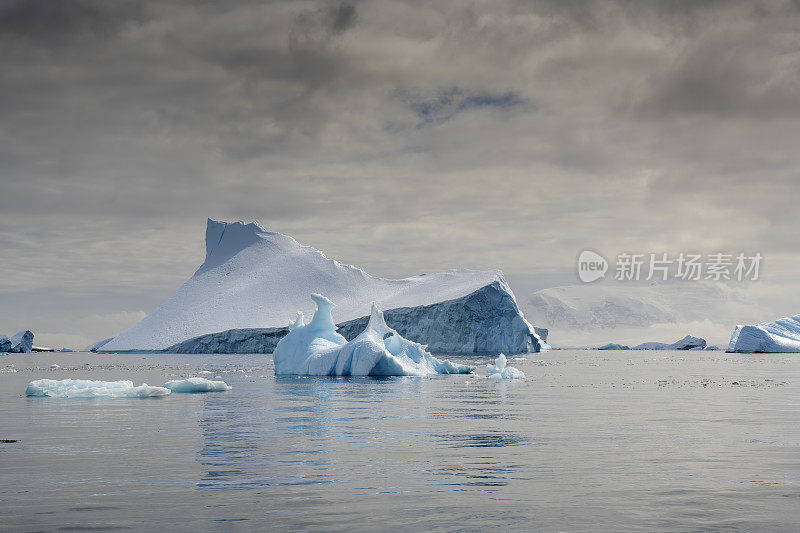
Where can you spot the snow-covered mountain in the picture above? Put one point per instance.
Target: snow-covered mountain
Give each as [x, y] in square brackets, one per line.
[593, 314]
[253, 278]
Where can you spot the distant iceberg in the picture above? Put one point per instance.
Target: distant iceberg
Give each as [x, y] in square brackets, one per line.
[499, 370]
[251, 279]
[780, 336]
[614, 346]
[317, 349]
[20, 342]
[686, 343]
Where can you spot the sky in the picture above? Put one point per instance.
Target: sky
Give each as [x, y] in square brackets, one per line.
[402, 137]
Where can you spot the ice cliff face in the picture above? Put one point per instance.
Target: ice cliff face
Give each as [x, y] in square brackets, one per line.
[20, 342]
[252, 279]
[780, 336]
[484, 322]
[317, 349]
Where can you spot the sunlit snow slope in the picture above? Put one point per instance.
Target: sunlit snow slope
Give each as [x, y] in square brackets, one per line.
[253, 278]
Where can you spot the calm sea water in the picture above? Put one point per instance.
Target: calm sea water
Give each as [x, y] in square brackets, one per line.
[614, 441]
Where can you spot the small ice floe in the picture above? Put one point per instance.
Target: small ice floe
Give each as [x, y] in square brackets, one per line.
[86, 388]
[196, 385]
[499, 370]
[54, 366]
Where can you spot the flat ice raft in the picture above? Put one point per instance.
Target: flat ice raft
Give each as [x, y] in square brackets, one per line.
[780, 336]
[87, 388]
[317, 349]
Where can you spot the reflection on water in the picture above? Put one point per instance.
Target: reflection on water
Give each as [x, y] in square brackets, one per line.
[591, 441]
[294, 440]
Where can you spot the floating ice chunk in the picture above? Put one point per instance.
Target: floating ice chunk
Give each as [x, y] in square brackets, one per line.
[86, 388]
[54, 366]
[499, 370]
[317, 349]
[196, 385]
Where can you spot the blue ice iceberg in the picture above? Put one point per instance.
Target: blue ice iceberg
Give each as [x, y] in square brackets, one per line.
[20, 342]
[780, 336]
[196, 385]
[317, 349]
[86, 388]
[499, 370]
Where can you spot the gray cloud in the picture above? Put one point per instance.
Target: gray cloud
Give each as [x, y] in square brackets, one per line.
[402, 137]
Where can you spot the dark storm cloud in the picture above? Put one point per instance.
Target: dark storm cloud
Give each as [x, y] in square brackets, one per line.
[63, 23]
[399, 136]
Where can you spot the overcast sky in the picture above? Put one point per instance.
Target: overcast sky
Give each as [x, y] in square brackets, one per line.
[402, 137]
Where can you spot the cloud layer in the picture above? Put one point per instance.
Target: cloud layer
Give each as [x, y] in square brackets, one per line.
[399, 136]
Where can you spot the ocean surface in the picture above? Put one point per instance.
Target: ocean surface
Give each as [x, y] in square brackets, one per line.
[591, 441]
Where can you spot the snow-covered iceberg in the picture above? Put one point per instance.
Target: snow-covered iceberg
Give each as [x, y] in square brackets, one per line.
[499, 370]
[317, 349]
[20, 342]
[196, 385]
[251, 279]
[85, 388]
[780, 336]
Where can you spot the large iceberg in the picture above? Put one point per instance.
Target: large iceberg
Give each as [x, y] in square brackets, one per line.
[317, 349]
[238, 300]
[20, 342]
[780, 336]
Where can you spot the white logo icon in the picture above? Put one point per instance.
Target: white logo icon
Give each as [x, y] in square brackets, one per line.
[591, 266]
